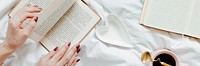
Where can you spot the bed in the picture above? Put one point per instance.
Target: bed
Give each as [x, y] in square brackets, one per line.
[96, 52]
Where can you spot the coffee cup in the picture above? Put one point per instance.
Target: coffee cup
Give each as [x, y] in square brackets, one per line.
[166, 56]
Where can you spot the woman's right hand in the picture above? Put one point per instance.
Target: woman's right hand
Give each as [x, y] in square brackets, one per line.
[16, 34]
[61, 57]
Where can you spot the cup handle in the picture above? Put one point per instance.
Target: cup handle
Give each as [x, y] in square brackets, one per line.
[183, 64]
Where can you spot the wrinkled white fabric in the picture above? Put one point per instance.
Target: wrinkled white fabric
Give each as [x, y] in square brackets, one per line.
[97, 53]
[6, 5]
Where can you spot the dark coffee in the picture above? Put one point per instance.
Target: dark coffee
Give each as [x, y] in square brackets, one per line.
[165, 58]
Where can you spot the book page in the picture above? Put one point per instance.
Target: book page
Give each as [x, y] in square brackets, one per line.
[23, 3]
[72, 27]
[51, 13]
[194, 25]
[49, 17]
[170, 15]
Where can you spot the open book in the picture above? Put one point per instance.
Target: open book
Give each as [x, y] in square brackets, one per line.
[179, 16]
[60, 21]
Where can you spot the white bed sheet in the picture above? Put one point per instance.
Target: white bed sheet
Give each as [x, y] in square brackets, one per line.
[96, 53]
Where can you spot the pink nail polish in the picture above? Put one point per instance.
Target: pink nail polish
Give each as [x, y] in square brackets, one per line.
[55, 49]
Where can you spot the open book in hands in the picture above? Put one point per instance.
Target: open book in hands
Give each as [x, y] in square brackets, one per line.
[60, 21]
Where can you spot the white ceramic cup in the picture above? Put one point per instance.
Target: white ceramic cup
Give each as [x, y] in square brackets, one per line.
[155, 53]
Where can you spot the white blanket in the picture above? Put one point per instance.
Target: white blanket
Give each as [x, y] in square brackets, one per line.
[95, 52]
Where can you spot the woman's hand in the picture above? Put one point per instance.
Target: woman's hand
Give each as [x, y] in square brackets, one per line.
[61, 57]
[16, 35]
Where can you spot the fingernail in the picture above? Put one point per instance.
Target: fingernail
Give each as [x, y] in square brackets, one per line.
[77, 47]
[69, 44]
[55, 49]
[78, 60]
[36, 19]
[78, 50]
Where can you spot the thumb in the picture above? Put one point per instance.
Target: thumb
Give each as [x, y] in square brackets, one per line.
[31, 25]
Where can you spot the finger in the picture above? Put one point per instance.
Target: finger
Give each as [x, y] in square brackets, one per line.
[75, 61]
[29, 8]
[63, 61]
[49, 55]
[31, 4]
[18, 20]
[32, 9]
[29, 28]
[24, 16]
[69, 54]
[60, 53]
[72, 59]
